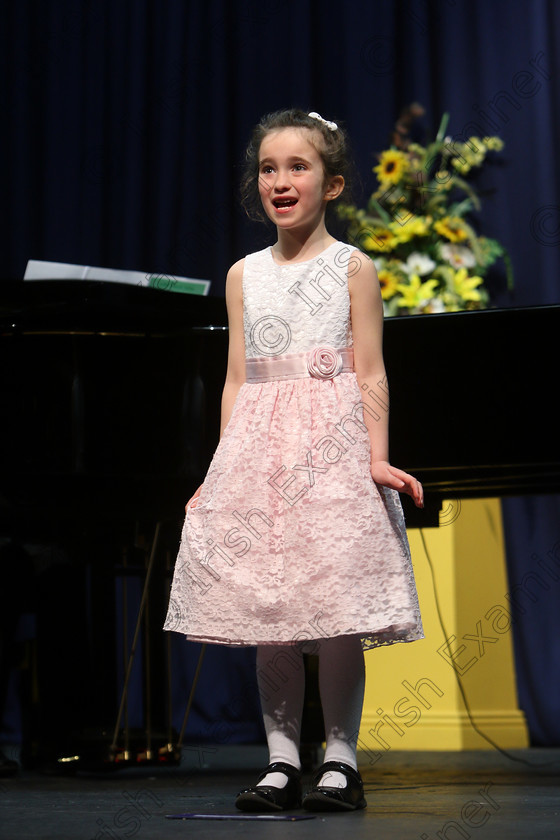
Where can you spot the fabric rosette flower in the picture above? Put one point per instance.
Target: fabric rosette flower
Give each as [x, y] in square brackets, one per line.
[324, 362]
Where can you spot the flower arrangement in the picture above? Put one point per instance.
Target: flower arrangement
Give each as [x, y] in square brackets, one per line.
[415, 227]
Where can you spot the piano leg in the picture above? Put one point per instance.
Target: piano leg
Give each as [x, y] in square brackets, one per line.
[114, 750]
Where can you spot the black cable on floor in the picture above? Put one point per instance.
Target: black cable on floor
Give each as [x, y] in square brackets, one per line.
[460, 682]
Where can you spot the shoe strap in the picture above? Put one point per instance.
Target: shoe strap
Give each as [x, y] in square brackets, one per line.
[281, 767]
[339, 767]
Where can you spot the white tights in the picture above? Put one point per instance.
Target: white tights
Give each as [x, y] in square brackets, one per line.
[281, 681]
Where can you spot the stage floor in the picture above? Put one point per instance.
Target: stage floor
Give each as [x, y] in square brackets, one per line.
[425, 795]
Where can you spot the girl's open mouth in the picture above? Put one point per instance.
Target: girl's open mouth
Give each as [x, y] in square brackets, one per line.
[284, 203]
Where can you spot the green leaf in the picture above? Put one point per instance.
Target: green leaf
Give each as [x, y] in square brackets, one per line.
[460, 208]
[387, 219]
[432, 151]
[509, 269]
[442, 127]
[466, 187]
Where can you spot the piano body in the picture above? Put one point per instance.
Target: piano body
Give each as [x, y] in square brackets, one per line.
[110, 400]
[472, 400]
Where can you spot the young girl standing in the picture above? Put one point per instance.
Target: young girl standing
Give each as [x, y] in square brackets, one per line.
[296, 542]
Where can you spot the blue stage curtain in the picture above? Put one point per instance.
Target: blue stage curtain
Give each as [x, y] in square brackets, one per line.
[532, 534]
[125, 123]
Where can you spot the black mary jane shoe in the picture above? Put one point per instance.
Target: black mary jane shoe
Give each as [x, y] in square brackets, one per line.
[269, 798]
[325, 798]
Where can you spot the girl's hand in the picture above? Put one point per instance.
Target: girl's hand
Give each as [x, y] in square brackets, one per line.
[383, 473]
[192, 501]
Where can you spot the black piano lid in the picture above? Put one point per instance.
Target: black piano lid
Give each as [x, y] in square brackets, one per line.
[98, 306]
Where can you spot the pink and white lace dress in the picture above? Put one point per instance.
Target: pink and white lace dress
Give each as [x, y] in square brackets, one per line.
[291, 539]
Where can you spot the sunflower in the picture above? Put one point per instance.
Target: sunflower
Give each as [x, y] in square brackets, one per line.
[419, 237]
[388, 282]
[392, 166]
[376, 239]
[452, 228]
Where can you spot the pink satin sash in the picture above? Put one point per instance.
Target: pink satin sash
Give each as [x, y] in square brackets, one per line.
[319, 363]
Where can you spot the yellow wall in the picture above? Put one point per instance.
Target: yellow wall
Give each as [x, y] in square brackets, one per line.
[413, 700]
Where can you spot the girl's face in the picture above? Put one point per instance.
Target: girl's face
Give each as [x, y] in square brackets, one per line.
[292, 184]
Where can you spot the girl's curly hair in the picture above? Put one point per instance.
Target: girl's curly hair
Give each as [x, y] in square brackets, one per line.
[331, 145]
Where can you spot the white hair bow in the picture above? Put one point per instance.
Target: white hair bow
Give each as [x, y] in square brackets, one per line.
[332, 126]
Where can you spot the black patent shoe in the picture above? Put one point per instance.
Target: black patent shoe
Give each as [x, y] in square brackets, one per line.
[324, 798]
[268, 798]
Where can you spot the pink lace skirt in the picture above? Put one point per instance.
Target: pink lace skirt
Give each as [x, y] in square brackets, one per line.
[291, 539]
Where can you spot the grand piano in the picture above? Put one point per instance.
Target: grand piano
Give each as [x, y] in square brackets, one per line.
[106, 386]
[110, 396]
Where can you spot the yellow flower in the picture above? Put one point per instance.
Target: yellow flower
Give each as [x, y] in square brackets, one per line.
[416, 292]
[452, 228]
[389, 283]
[494, 144]
[475, 147]
[412, 226]
[443, 180]
[469, 154]
[376, 239]
[465, 286]
[461, 165]
[392, 166]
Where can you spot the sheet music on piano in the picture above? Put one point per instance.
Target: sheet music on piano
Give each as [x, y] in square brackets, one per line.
[45, 270]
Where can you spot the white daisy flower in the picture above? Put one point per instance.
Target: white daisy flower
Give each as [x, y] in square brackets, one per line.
[434, 306]
[459, 256]
[418, 263]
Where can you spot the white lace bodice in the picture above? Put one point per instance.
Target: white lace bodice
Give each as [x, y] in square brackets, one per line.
[293, 308]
